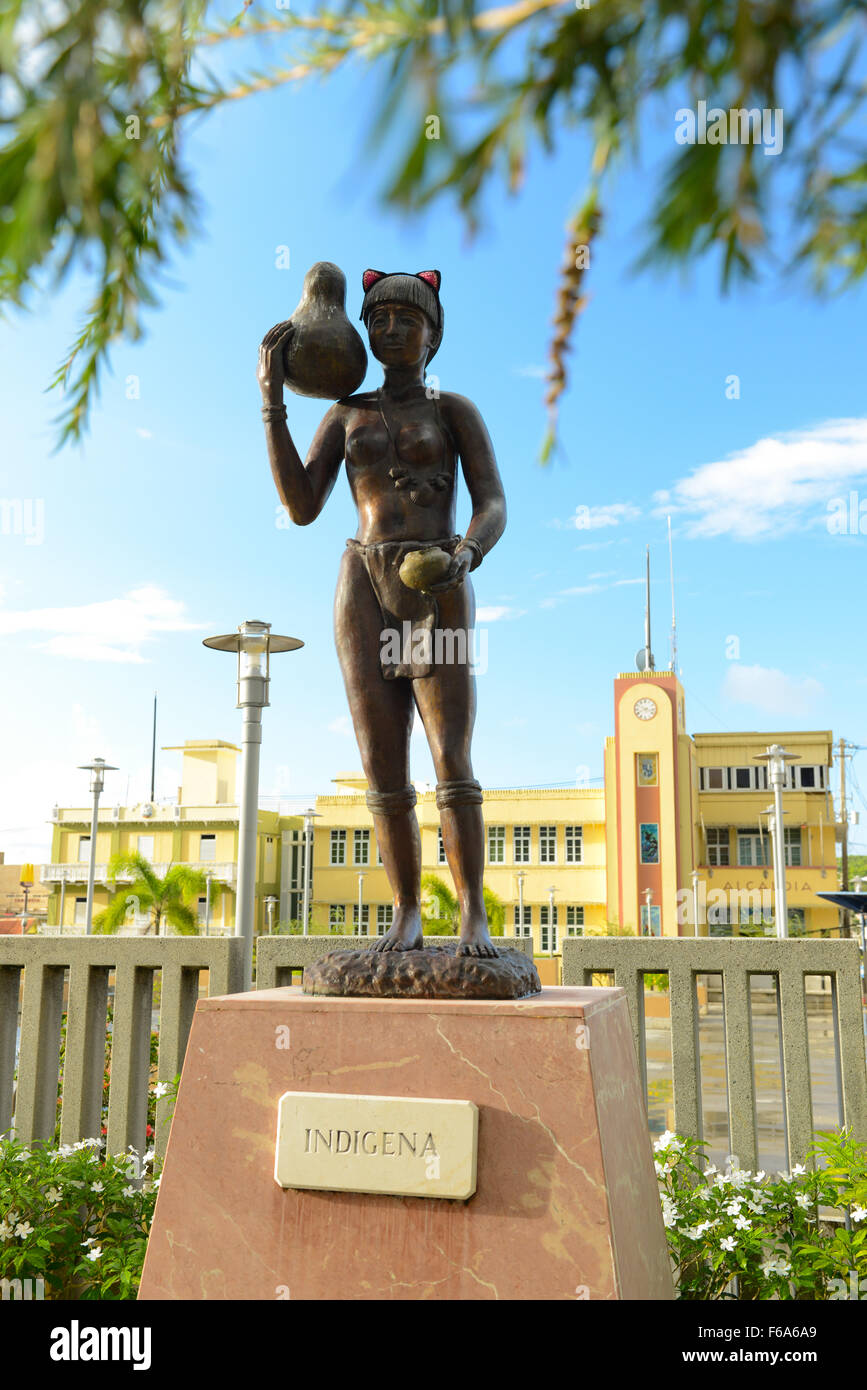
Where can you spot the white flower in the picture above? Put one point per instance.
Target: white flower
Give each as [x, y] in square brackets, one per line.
[728, 1243]
[54, 1194]
[798, 1170]
[12, 1217]
[97, 1187]
[23, 1229]
[156, 1182]
[784, 1177]
[760, 1174]
[734, 1207]
[129, 1192]
[91, 1240]
[803, 1200]
[704, 1226]
[23, 1156]
[756, 1207]
[859, 1213]
[742, 1224]
[669, 1212]
[161, 1088]
[94, 1254]
[5, 1230]
[73, 1182]
[710, 1170]
[149, 1157]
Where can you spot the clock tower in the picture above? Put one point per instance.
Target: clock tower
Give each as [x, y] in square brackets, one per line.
[650, 793]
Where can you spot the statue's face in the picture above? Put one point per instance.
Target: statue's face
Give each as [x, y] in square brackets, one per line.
[400, 336]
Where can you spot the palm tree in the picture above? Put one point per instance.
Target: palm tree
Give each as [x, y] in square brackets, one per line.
[444, 914]
[168, 899]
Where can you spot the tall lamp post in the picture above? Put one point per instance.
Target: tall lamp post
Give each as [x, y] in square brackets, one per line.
[361, 931]
[521, 877]
[309, 817]
[270, 904]
[552, 928]
[97, 769]
[776, 759]
[254, 642]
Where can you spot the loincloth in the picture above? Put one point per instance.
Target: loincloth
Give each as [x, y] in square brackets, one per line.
[409, 617]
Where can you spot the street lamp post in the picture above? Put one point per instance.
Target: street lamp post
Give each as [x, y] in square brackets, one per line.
[521, 877]
[776, 758]
[208, 878]
[98, 768]
[270, 904]
[648, 900]
[361, 931]
[254, 642]
[309, 817]
[551, 927]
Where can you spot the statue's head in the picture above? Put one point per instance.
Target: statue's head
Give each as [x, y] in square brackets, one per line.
[417, 332]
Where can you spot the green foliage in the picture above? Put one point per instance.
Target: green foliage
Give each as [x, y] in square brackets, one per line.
[76, 1217]
[81, 190]
[168, 899]
[746, 1235]
[441, 913]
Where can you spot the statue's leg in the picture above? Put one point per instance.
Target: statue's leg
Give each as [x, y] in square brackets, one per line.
[446, 701]
[382, 715]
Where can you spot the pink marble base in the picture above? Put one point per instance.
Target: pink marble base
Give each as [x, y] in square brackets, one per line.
[566, 1204]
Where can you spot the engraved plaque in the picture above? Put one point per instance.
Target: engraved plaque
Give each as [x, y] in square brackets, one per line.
[378, 1144]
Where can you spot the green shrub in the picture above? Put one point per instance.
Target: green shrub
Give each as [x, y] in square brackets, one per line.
[738, 1234]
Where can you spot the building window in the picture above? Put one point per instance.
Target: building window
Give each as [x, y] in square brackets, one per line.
[363, 929]
[718, 845]
[338, 846]
[336, 917]
[496, 844]
[647, 769]
[753, 848]
[547, 844]
[714, 779]
[384, 914]
[378, 856]
[743, 779]
[547, 930]
[810, 778]
[361, 846]
[574, 844]
[574, 921]
[651, 920]
[649, 841]
[83, 848]
[207, 849]
[524, 928]
[521, 844]
[79, 918]
[441, 849]
[792, 841]
[145, 845]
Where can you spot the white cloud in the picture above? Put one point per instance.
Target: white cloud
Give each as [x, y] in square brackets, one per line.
[144, 434]
[538, 373]
[112, 630]
[772, 691]
[773, 486]
[594, 518]
[341, 725]
[495, 614]
[583, 589]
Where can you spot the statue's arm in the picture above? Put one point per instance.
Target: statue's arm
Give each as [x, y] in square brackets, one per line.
[303, 488]
[480, 472]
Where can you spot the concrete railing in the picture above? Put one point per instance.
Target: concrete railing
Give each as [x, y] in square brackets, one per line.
[73, 974]
[736, 960]
[280, 958]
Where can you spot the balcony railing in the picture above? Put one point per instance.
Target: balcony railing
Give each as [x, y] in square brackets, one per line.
[225, 873]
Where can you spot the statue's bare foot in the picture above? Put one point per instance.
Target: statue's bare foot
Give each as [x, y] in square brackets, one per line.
[405, 932]
[475, 938]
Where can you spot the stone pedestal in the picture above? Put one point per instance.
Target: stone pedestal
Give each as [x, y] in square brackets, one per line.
[566, 1203]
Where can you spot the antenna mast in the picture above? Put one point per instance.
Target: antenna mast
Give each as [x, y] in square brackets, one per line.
[673, 618]
[154, 748]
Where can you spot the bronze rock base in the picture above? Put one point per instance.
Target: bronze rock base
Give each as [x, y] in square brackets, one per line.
[437, 972]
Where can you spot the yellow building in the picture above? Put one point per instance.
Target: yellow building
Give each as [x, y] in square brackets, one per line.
[199, 829]
[675, 841]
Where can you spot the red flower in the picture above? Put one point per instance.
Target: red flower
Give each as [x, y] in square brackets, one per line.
[149, 1131]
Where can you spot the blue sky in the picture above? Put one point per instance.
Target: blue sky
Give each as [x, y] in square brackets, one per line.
[163, 528]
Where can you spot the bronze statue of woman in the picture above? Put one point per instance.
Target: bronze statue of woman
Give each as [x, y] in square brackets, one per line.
[401, 444]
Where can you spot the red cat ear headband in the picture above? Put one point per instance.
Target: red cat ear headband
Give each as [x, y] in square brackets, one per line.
[431, 277]
[421, 291]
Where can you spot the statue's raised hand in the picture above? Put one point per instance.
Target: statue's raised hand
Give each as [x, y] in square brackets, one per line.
[270, 371]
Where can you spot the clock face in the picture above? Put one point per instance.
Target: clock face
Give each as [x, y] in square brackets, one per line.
[645, 708]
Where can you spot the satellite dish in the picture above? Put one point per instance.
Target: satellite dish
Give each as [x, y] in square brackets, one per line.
[641, 661]
[147, 809]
